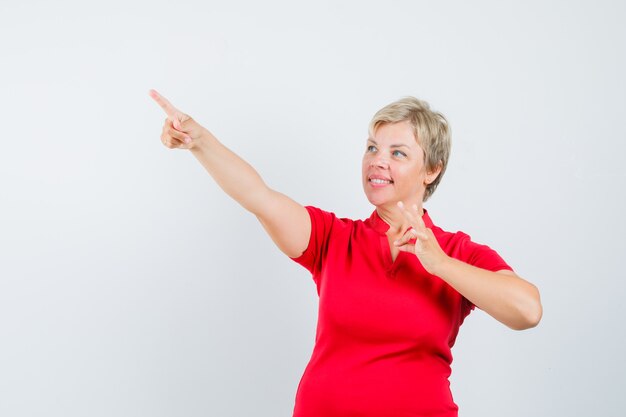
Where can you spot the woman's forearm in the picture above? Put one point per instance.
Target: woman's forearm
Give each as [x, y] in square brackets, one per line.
[234, 175]
[503, 295]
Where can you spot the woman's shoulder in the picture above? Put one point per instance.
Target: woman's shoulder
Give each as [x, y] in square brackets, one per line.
[451, 238]
[460, 245]
[329, 218]
[331, 223]
[457, 239]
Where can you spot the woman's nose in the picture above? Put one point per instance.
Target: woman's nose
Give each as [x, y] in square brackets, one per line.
[380, 160]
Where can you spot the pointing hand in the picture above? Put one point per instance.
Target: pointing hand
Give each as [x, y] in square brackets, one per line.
[180, 130]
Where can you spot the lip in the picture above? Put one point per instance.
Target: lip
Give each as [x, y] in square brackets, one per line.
[378, 177]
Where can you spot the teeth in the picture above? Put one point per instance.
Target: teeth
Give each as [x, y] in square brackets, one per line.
[377, 181]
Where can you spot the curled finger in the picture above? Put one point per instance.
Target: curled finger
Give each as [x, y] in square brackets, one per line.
[176, 134]
[170, 141]
[409, 237]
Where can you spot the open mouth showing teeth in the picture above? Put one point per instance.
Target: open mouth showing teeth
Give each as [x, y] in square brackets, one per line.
[378, 181]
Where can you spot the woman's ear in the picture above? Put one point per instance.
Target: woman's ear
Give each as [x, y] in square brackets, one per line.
[433, 174]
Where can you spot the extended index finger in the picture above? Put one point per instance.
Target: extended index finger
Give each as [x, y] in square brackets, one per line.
[169, 109]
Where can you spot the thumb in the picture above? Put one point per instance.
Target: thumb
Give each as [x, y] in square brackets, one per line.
[180, 120]
[176, 122]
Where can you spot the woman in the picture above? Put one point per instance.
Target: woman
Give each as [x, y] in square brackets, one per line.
[393, 288]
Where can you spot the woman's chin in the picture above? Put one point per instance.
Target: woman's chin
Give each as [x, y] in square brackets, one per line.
[378, 200]
[380, 196]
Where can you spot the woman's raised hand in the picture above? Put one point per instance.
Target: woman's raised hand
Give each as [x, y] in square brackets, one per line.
[180, 130]
[420, 240]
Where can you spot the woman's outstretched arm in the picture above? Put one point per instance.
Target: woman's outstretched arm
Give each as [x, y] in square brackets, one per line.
[287, 222]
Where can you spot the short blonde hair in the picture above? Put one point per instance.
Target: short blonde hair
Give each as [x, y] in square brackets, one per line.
[431, 130]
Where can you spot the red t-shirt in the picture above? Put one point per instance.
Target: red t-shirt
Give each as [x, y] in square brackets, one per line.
[385, 329]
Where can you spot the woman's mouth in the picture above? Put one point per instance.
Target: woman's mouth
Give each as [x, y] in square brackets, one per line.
[380, 181]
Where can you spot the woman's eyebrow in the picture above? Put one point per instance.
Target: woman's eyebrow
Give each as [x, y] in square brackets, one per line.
[400, 145]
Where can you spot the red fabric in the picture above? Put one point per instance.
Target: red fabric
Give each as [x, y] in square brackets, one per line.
[385, 329]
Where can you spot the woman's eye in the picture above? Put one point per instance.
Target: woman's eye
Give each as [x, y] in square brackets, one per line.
[399, 153]
[371, 148]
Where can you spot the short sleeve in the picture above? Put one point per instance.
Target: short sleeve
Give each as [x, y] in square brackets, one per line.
[480, 256]
[321, 228]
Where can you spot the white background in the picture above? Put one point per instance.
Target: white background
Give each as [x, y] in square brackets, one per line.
[130, 285]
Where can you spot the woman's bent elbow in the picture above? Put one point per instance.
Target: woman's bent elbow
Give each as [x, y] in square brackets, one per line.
[532, 313]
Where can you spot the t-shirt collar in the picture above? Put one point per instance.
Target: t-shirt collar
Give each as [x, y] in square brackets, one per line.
[378, 224]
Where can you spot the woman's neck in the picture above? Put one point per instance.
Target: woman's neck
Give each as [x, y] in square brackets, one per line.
[392, 215]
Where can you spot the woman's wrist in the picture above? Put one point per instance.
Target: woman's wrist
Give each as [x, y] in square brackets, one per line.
[443, 267]
[203, 141]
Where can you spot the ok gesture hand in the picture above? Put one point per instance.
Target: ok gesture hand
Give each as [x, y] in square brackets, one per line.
[420, 240]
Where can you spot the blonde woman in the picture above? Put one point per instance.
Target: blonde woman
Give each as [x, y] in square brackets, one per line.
[393, 288]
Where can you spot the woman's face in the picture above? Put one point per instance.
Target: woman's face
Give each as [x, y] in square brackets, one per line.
[393, 167]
